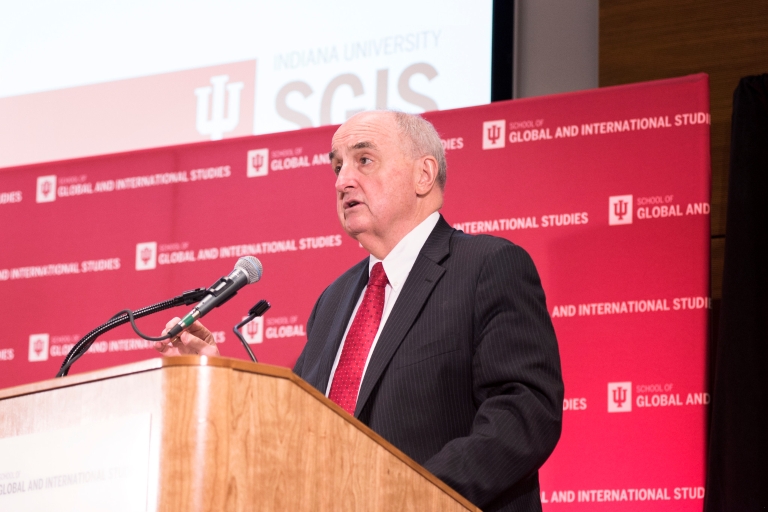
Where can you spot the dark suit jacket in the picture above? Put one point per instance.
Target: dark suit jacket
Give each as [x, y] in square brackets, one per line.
[465, 377]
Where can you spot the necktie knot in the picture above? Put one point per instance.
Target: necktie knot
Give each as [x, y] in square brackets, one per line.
[378, 276]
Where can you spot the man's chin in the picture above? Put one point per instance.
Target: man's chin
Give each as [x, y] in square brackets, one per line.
[354, 232]
[355, 226]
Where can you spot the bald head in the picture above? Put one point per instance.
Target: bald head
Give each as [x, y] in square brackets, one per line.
[419, 138]
[390, 170]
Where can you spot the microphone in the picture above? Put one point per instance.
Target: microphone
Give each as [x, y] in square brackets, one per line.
[259, 309]
[247, 270]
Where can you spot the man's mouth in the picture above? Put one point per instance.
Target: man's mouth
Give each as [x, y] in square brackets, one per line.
[351, 204]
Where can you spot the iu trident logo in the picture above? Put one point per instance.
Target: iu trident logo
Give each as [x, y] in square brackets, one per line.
[46, 189]
[494, 134]
[619, 396]
[38, 347]
[146, 256]
[254, 331]
[258, 162]
[620, 210]
[217, 124]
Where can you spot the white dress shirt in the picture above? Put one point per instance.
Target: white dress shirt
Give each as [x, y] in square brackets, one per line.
[397, 265]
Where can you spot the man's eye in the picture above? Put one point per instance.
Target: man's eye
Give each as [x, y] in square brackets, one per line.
[336, 169]
[365, 160]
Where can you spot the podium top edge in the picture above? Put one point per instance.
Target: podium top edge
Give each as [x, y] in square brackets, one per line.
[157, 363]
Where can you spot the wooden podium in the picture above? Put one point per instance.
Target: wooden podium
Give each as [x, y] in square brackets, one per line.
[230, 435]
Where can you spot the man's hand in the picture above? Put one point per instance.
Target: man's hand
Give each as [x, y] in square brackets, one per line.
[196, 340]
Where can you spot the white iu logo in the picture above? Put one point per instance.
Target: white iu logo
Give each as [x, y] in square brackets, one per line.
[254, 330]
[619, 397]
[217, 124]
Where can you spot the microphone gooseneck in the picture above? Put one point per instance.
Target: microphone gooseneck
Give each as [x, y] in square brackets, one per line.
[259, 309]
[247, 270]
[82, 346]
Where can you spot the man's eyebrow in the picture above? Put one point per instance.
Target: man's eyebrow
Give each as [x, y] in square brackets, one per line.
[364, 145]
[359, 145]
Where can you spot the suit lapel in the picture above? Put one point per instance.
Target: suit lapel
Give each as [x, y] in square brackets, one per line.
[423, 277]
[348, 300]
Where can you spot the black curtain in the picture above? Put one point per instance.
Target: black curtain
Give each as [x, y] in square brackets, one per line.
[736, 470]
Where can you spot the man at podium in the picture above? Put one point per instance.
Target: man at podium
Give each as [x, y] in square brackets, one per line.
[439, 341]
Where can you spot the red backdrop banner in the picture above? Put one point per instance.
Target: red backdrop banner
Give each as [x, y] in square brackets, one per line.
[608, 190]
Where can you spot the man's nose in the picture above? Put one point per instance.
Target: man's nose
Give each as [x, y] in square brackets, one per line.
[345, 179]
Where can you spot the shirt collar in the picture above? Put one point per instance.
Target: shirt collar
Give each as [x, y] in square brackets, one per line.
[400, 260]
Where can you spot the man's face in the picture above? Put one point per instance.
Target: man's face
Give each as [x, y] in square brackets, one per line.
[375, 178]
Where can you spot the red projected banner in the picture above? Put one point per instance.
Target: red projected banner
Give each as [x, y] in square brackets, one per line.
[608, 191]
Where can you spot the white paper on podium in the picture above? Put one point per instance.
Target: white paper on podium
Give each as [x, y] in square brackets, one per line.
[92, 467]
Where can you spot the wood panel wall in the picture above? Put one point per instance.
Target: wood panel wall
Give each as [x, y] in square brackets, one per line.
[652, 39]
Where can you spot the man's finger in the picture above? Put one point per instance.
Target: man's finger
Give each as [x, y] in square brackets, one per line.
[196, 339]
[160, 346]
[170, 324]
[199, 346]
[199, 330]
[166, 347]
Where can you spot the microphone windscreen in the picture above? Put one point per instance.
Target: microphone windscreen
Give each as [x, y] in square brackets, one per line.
[251, 266]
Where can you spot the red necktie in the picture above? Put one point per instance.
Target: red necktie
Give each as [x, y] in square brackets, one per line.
[357, 345]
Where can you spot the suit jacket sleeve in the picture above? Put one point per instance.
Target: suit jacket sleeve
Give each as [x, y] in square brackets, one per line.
[517, 383]
[299, 366]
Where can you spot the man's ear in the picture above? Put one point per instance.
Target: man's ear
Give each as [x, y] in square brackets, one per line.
[426, 174]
